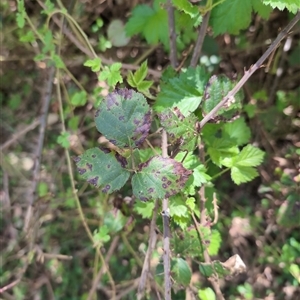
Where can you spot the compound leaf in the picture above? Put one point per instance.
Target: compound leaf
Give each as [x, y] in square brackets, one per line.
[159, 178]
[103, 168]
[124, 118]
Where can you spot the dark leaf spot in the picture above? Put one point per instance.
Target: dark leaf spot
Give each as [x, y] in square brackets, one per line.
[105, 150]
[125, 93]
[97, 113]
[90, 166]
[121, 159]
[76, 159]
[106, 188]
[81, 171]
[93, 181]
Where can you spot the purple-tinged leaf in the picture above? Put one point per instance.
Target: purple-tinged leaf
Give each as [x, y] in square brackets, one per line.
[159, 178]
[124, 118]
[103, 168]
[182, 130]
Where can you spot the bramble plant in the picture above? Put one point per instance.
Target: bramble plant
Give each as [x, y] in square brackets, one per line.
[166, 141]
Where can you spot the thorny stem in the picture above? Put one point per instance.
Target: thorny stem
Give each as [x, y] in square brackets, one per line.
[252, 69]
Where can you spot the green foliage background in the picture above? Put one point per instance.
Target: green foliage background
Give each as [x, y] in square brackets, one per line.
[251, 163]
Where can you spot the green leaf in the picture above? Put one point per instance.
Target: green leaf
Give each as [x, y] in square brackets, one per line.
[94, 64]
[181, 271]
[206, 294]
[101, 235]
[145, 85]
[28, 37]
[215, 242]
[114, 221]
[185, 91]
[238, 130]
[103, 43]
[58, 61]
[112, 74]
[215, 267]
[151, 23]
[187, 7]
[141, 73]
[159, 178]
[49, 7]
[178, 207]
[243, 174]
[63, 140]
[145, 209]
[20, 18]
[79, 98]
[73, 123]
[182, 130]
[250, 156]
[200, 175]
[137, 79]
[291, 5]
[103, 168]
[288, 214]
[124, 118]
[48, 42]
[231, 16]
[187, 243]
[116, 33]
[216, 89]
[250, 110]
[262, 9]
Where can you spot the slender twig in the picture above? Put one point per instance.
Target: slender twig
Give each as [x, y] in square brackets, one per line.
[131, 250]
[252, 69]
[151, 244]
[124, 293]
[19, 134]
[38, 154]
[279, 71]
[172, 34]
[97, 278]
[200, 39]
[9, 286]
